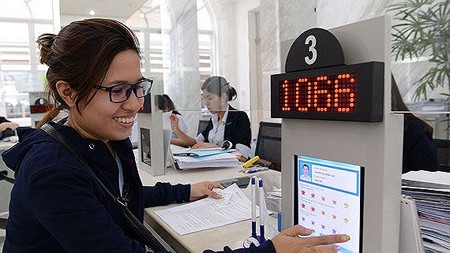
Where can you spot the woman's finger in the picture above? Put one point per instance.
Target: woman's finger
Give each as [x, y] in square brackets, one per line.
[327, 239]
[297, 230]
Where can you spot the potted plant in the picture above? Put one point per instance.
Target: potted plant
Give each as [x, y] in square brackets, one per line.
[422, 29]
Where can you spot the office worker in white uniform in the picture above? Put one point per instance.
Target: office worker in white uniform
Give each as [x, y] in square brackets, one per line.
[226, 124]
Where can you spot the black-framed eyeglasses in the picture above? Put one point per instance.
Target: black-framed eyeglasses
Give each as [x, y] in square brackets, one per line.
[121, 92]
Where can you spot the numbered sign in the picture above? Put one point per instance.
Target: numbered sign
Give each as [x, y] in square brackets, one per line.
[318, 85]
[315, 48]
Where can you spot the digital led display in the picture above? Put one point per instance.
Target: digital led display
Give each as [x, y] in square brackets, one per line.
[348, 93]
[326, 94]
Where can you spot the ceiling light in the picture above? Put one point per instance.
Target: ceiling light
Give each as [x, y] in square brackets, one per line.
[92, 12]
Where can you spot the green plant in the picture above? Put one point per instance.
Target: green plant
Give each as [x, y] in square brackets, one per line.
[423, 30]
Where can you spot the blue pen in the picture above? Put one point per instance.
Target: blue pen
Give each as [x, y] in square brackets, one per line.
[262, 213]
[254, 207]
[255, 170]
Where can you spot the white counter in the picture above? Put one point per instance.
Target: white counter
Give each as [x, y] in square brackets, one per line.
[230, 235]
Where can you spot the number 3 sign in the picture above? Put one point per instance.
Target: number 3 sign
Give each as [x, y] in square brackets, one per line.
[318, 85]
[315, 48]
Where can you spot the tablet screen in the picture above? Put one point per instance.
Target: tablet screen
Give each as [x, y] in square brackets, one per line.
[329, 199]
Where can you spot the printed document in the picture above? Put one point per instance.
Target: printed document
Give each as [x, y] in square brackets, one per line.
[208, 213]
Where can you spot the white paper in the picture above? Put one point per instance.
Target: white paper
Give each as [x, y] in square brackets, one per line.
[211, 161]
[430, 191]
[437, 177]
[208, 213]
[166, 120]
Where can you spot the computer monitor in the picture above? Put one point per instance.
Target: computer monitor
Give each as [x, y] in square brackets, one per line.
[329, 198]
[159, 152]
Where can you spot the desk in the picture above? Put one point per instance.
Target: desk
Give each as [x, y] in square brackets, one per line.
[5, 145]
[230, 235]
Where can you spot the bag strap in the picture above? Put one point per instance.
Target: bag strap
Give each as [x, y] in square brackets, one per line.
[146, 236]
[50, 130]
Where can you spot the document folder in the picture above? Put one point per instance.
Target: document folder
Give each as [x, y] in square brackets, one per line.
[410, 235]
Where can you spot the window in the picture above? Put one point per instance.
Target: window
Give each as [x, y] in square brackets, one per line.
[147, 26]
[20, 71]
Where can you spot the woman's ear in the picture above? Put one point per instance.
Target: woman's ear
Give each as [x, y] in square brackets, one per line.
[66, 93]
[224, 98]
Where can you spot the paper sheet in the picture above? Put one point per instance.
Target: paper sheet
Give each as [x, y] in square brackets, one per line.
[208, 213]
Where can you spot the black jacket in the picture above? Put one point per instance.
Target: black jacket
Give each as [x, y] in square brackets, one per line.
[419, 151]
[237, 128]
[57, 205]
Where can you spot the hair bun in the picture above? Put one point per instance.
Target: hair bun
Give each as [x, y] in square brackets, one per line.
[45, 42]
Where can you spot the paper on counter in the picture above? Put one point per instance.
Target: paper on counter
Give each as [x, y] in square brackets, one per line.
[208, 213]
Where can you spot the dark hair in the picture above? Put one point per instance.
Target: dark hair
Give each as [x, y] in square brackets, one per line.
[80, 55]
[397, 104]
[165, 103]
[218, 85]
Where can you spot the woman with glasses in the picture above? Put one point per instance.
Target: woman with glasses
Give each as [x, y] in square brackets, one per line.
[58, 203]
[227, 125]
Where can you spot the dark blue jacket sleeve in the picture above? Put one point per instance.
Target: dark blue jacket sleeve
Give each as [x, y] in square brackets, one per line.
[266, 247]
[165, 193]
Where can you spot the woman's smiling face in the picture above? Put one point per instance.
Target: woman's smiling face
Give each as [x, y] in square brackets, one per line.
[102, 119]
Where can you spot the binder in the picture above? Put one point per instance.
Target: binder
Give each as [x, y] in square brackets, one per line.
[410, 234]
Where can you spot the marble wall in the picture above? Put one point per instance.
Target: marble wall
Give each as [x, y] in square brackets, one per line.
[282, 21]
[180, 52]
[179, 30]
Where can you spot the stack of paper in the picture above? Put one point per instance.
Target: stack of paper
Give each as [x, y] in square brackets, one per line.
[430, 191]
[201, 158]
[219, 160]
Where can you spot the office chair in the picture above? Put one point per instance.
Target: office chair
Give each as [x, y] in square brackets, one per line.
[202, 124]
[268, 145]
[443, 154]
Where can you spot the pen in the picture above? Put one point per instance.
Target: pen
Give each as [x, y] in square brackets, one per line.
[262, 213]
[185, 154]
[255, 170]
[254, 207]
[250, 162]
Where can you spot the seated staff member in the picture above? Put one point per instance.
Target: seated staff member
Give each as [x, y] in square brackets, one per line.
[6, 124]
[166, 105]
[419, 150]
[57, 205]
[226, 123]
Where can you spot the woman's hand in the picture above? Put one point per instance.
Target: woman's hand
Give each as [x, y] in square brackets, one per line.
[204, 189]
[204, 145]
[288, 241]
[6, 125]
[174, 121]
